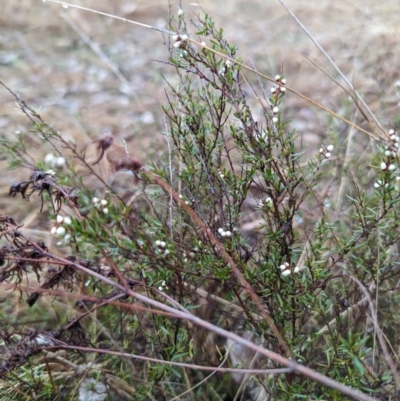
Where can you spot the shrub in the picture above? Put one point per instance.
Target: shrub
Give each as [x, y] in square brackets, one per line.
[232, 252]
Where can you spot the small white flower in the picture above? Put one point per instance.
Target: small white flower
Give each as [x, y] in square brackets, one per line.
[275, 120]
[180, 12]
[283, 81]
[157, 243]
[60, 231]
[67, 220]
[273, 89]
[187, 203]
[277, 77]
[282, 89]
[378, 184]
[184, 38]
[321, 150]
[103, 202]
[268, 201]
[228, 234]
[67, 238]
[166, 252]
[383, 166]
[50, 160]
[203, 43]
[162, 244]
[53, 230]
[329, 148]
[286, 272]
[388, 153]
[275, 110]
[296, 269]
[328, 155]
[175, 37]
[60, 162]
[51, 173]
[177, 44]
[105, 210]
[284, 266]
[95, 201]
[392, 167]
[391, 132]
[220, 230]
[59, 219]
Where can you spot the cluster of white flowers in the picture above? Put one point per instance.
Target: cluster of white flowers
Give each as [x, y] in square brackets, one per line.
[100, 204]
[224, 233]
[179, 41]
[59, 230]
[265, 202]
[163, 286]
[286, 271]
[393, 147]
[221, 174]
[380, 184]
[276, 90]
[54, 161]
[186, 201]
[162, 244]
[326, 152]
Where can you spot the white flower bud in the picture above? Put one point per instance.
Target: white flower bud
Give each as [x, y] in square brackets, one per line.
[53, 230]
[275, 120]
[286, 273]
[282, 89]
[296, 269]
[275, 110]
[277, 77]
[103, 202]
[383, 166]
[105, 210]
[283, 81]
[50, 160]
[184, 38]
[60, 162]
[60, 231]
[95, 201]
[178, 44]
[175, 37]
[273, 90]
[392, 167]
[329, 148]
[220, 230]
[162, 244]
[391, 132]
[59, 219]
[67, 220]
[388, 153]
[328, 155]
[180, 12]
